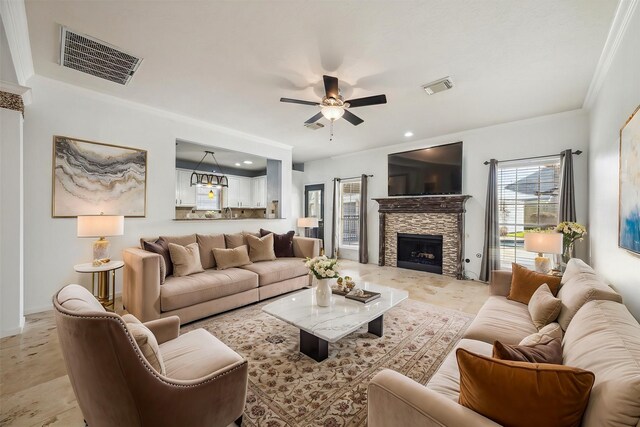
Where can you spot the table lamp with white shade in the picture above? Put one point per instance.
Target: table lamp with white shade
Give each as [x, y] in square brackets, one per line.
[543, 243]
[308, 222]
[100, 226]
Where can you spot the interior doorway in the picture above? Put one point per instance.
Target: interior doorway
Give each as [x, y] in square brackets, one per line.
[314, 207]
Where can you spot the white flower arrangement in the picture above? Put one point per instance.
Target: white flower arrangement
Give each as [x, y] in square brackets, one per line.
[322, 267]
[571, 232]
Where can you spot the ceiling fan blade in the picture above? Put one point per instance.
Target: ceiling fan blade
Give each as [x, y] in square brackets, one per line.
[331, 87]
[369, 100]
[352, 118]
[298, 101]
[314, 118]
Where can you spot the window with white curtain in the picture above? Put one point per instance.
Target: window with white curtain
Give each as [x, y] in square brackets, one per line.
[349, 224]
[528, 198]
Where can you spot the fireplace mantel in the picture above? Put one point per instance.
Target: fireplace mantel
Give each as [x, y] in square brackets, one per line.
[427, 214]
[432, 204]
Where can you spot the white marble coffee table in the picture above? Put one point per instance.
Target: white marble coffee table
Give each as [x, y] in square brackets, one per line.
[321, 325]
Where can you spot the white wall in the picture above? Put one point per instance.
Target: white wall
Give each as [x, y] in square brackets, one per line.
[11, 223]
[51, 245]
[617, 99]
[533, 137]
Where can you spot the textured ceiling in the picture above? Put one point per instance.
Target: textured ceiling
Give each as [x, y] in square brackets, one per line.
[230, 62]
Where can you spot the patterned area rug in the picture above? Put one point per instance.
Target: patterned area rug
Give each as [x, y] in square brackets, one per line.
[287, 388]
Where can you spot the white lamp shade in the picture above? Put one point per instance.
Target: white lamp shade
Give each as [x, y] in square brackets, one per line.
[308, 222]
[545, 243]
[100, 225]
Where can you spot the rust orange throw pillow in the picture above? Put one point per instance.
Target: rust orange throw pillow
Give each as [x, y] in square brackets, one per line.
[524, 283]
[523, 394]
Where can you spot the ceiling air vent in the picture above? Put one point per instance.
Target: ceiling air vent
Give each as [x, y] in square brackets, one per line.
[95, 57]
[438, 86]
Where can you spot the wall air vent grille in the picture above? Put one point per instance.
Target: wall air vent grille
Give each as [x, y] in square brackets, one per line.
[92, 56]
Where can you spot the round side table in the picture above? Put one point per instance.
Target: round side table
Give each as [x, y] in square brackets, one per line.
[104, 283]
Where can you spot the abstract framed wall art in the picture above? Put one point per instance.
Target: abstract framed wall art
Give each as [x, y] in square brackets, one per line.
[90, 178]
[629, 197]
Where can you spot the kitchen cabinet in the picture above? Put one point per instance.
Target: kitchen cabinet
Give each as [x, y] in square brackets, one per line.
[259, 192]
[185, 193]
[238, 194]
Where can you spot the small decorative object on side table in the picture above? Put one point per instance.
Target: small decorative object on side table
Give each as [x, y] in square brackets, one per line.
[104, 284]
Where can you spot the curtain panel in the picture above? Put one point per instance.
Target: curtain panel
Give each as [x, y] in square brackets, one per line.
[567, 192]
[363, 249]
[334, 218]
[491, 249]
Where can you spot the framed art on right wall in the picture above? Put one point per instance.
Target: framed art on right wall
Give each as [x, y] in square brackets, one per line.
[629, 198]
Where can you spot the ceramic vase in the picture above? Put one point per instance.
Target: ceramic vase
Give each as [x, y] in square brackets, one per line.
[323, 292]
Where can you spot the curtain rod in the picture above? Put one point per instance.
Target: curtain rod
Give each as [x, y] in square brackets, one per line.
[352, 177]
[577, 153]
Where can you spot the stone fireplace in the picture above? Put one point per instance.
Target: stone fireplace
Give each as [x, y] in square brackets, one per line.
[413, 228]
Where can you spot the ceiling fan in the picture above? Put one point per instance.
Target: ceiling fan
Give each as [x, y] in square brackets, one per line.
[332, 106]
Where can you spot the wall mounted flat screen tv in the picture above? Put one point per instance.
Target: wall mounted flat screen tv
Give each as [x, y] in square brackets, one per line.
[428, 171]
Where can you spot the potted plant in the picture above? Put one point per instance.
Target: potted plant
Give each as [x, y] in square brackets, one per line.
[323, 269]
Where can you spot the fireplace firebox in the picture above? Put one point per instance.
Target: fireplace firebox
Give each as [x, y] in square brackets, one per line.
[420, 252]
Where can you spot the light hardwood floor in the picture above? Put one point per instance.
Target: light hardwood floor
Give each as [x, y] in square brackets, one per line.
[35, 389]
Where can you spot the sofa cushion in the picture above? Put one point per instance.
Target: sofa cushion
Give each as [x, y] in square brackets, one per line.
[523, 394]
[544, 307]
[446, 380]
[580, 289]
[575, 267]
[278, 270]
[543, 352]
[502, 320]
[261, 248]
[147, 342]
[229, 258]
[282, 243]
[196, 354]
[546, 334]
[179, 292]
[186, 259]
[185, 240]
[604, 338]
[525, 282]
[206, 243]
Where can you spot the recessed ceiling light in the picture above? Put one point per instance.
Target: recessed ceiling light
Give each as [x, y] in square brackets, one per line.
[408, 134]
[237, 164]
[248, 162]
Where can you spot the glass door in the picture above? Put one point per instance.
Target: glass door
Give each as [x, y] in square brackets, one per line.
[314, 207]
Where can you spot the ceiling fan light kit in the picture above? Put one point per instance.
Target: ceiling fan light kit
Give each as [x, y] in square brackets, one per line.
[333, 107]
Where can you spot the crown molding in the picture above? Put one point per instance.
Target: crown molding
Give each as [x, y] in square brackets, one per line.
[14, 19]
[23, 91]
[621, 20]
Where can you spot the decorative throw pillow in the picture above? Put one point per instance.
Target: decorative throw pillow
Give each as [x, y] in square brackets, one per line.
[227, 258]
[186, 259]
[282, 243]
[523, 394]
[548, 352]
[524, 283]
[206, 242]
[550, 332]
[161, 248]
[146, 341]
[261, 248]
[544, 307]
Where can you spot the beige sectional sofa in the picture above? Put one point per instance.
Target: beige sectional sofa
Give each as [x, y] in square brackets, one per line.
[600, 335]
[148, 295]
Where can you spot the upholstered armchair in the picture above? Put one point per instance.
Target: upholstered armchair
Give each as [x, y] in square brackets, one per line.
[204, 382]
